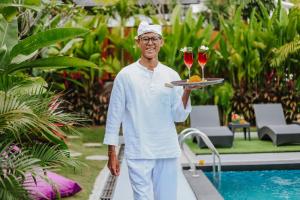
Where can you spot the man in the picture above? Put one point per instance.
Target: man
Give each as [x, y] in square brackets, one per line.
[147, 109]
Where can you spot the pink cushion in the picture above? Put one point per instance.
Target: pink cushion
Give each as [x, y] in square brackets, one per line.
[43, 190]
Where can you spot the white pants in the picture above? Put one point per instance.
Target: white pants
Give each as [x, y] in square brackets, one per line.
[153, 176]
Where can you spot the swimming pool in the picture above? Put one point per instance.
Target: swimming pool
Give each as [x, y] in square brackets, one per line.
[259, 185]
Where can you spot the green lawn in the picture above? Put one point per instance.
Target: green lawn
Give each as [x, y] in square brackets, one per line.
[245, 146]
[86, 176]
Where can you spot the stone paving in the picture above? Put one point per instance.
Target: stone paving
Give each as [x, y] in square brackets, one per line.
[258, 158]
[75, 154]
[96, 157]
[92, 145]
[72, 137]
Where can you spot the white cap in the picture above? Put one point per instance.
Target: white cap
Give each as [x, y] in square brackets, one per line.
[145, 27]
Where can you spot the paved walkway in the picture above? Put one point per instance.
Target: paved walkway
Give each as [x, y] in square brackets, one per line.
[123, 188]
[258, 158]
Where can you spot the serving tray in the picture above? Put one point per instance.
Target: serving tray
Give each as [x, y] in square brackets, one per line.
[207, 82]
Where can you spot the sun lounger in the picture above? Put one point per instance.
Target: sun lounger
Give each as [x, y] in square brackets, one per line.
[271, 124]
[207, 120]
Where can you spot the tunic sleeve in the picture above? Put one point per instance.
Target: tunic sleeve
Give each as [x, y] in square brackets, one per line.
[115, 113]
[179, 113]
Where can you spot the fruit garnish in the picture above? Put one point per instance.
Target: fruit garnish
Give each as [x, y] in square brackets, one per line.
[194, 78]
[184, 49]
[203, 48]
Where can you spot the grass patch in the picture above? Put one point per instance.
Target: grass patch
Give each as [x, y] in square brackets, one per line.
[241, 146]
[86, 176]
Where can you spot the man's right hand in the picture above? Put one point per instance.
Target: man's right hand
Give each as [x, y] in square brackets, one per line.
[113, 164]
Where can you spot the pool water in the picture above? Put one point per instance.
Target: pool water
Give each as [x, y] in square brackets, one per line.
[259, 185]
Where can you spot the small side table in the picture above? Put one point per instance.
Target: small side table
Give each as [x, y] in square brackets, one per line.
[246, 127]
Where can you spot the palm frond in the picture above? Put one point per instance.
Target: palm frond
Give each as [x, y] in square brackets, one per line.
[14, 115]
[14, 164]
[51, 156]
[12, 189]
[51, 114]
[282, 53]
[30, 86]
[22, 116]
[31, 117]
[21, 85]
[7, 82]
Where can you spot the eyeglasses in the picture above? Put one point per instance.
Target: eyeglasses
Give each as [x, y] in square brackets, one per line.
[146, 40]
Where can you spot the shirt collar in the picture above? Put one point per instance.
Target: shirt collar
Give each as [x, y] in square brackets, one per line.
[146, 69]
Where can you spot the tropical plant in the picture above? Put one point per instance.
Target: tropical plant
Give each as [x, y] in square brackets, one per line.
[285, 27]
[222, 97]
[188, 32]
[29, 125]
[202, 97]
[109, 48]
[250, 5]
[288, 51]
[30, 116]
[84, 86]
[252, 49]
[239, 50]
[14, 164]
[226, 9]
[283, 56]
[217, 8]
[260, 53]
[295, 1]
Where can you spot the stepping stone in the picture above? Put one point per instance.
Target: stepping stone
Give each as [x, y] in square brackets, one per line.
[96, 157]
[73, 137]
[75, 154]
[92, 145]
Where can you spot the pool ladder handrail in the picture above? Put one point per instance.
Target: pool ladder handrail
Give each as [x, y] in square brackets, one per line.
[195, 132]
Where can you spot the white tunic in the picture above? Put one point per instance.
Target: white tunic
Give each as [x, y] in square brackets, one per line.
[147, 110]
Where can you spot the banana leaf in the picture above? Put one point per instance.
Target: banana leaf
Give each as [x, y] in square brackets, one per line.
[30, 4]
[51, 62]
[36, 8]
[29, 86]
[9, 33]
[43, 39]
[4, 57]
[9, 13]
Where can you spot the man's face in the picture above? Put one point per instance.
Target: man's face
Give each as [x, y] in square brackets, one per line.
[150, 44]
